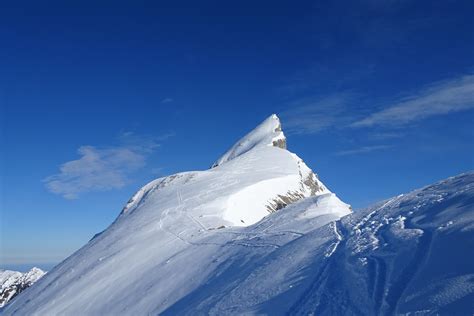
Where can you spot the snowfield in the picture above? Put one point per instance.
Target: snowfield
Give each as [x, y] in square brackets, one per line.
[260, 234]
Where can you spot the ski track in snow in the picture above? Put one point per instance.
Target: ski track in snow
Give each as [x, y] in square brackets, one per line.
[339, 238]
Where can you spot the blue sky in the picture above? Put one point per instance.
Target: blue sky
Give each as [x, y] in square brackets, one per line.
[97, 98]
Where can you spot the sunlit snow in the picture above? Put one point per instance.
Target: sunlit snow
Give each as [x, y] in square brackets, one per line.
[260, 234]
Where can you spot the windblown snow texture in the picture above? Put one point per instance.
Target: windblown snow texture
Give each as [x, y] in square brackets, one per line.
[260, 234]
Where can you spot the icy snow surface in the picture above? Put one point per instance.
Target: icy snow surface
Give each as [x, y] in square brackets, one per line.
[260, 234]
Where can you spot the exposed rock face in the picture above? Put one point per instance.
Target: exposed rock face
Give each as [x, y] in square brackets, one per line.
[280, 143]
[13, 283]
[281, 201]
[311, 181]
[310, 186]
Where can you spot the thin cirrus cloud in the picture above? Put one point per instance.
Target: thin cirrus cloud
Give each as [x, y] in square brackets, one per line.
[311, 116]
[102, 168]
[362, 150]
[167, 100]
[440, 98]
[338, 112]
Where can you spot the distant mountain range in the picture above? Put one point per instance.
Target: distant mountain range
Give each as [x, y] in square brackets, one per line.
[13, 283]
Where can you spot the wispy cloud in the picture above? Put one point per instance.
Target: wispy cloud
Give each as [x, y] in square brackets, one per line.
[340, 111]
[385, 135]
[362, 150]
[102, 168]
[440, 98]
[310, 115]
[167, 100]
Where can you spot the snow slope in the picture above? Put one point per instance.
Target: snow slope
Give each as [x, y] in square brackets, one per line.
[410, 255]
[212, 242]
[13, 283]
[171, 216]
[268, 133]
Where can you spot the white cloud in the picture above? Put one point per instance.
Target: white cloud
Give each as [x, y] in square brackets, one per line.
[362, 150]
[101, 169]
[440, 98]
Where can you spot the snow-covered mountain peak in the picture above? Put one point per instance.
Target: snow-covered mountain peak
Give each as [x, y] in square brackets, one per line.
[33, 275]
[190, 213]
[267, 133]
[256, 177]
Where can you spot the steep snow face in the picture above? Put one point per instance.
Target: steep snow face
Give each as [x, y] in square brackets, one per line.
[190, 216]
[268, 133]
[13, 283]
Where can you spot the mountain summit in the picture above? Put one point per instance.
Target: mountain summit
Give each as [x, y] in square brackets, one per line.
[268, 133]
[255, 177]
[260, 234]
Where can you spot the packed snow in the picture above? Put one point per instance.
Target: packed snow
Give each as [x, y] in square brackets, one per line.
[260, 234]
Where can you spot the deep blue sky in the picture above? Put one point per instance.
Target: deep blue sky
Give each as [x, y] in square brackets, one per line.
[376, 96]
